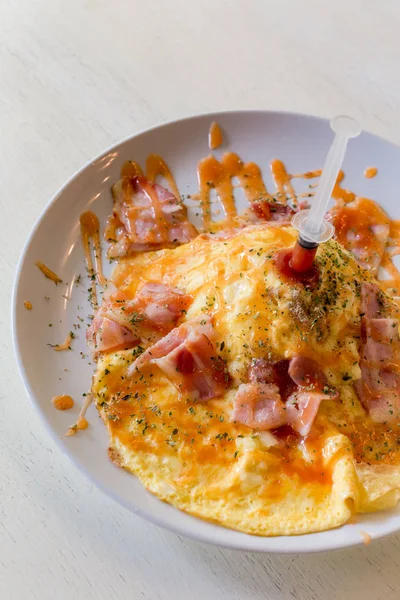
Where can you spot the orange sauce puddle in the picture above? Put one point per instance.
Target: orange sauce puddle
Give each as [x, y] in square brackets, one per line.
[340, 193]
[155, 166]
[48, 272]
[215, 138]
[66, 345]
[283, 183]
[218, 175]
[366, 538]
[81, 422]
[90, 228]
[250, 179]
[62, 402]
[370, 172]
[131, 169]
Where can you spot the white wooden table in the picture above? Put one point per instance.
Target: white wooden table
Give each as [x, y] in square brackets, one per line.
[75, 77]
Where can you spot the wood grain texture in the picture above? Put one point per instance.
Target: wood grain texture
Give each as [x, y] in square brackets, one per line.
[76, 77]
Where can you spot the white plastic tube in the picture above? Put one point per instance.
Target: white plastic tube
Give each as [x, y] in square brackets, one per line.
[311, 223]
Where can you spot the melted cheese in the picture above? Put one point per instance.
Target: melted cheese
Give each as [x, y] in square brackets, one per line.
[190, 453]
[48, 272]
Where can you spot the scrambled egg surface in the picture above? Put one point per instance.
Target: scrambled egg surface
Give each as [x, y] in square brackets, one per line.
[190, 454]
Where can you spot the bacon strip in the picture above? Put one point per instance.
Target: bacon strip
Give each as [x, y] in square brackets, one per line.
[379, 386]
[153, 312]
[368, 242]
[145, 217]
[261, 371]
[374, 303]
[307, 374]
[301, 410]
[302, 406]
[259, 406]
[161, 304]
[266, 210]
[188, 359]
[106, 335]
[282, 393]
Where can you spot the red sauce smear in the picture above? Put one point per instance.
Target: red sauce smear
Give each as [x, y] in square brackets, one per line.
[283, 259]
[302, 258]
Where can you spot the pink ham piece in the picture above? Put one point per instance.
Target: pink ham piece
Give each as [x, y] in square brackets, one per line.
[145, 217]
[153, 312]
[366, 258]
[261, 371]
[379, 386]
[272, 211]
[368, 240]
[264, 371]
[201, 325]
[106, 335]
[379, 392]
[307, 374]
[303, 405]
[301, 410]
[297, 387]
[379, 336]
[188, 359]
[374, 303]
[161, 304]
[259, 406]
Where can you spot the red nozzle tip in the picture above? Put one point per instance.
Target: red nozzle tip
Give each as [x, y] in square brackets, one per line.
[302, 258]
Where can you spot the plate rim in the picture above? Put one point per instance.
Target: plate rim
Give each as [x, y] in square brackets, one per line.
[296, 547]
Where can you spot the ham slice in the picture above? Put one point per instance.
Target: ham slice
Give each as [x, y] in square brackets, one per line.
[261, 371]
[367, 243]
[374, 303]
[288, 392]
[379, 392]
[265, 371]
[272, 211]
[145, 217]
[259, 406]
[307, 374]
[301, 410]
[379, 336]
[379, 386]
[303, 405]
[160, 305]
[153, 312]
[106, 335]
[188, 359]
[201, 325]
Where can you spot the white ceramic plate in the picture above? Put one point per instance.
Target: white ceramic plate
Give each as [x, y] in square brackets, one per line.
[301, 142]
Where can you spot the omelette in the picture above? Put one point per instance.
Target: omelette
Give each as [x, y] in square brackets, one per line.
[235, 390]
